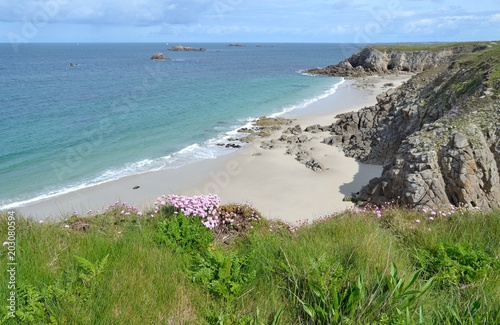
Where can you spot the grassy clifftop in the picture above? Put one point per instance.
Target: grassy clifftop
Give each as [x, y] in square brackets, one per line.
[425, 47]
[380, 266]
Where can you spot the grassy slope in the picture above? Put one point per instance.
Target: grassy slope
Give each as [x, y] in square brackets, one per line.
[144, 282]
[422, 47]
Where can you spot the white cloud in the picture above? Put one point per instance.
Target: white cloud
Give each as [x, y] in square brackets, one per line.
[296, 20]
[142, 12]
[403, 14]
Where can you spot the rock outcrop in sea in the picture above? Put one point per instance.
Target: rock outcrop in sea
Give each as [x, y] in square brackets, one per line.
[158, 56]
[437, 135]
[186, 48]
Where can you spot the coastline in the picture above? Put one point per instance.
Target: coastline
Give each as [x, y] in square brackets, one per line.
[273, 182]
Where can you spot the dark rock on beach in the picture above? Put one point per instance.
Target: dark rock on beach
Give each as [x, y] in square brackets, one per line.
[304, 156]
[296, 130]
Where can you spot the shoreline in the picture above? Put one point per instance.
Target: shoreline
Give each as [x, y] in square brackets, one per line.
[273, 182]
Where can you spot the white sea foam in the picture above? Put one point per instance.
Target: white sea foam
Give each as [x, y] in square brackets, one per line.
[190, 154]
[309, 101]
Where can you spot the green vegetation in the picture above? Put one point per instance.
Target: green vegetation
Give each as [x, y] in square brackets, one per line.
[422, 46]
[372, 266]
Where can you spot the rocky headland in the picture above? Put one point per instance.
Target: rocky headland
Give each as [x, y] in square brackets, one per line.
[382, 60]
[437, 135]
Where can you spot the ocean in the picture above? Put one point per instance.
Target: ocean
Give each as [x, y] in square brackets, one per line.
[76, 115]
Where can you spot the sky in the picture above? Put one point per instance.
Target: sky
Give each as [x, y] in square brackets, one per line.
[324, 21]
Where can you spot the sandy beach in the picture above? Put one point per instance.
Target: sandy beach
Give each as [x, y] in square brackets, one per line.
[269, 179]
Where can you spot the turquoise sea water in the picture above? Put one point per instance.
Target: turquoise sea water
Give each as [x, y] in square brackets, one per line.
[118, 113]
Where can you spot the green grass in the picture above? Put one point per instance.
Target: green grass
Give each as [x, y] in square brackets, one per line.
[423, 47]
[352, 268]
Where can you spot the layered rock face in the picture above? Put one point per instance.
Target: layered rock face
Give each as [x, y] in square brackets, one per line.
[372, 61]
[438, 135]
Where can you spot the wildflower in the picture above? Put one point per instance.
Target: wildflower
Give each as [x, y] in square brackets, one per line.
[66, 226]
[5, 243]
[433, 213]
[431, 218]
[89, 212]
[417, 221]
[40, 221]
[139, 213]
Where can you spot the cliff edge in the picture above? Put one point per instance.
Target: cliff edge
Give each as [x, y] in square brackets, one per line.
[383, 60]
[438, 135]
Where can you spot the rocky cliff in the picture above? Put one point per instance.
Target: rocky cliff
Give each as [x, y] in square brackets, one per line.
[438, 135]
[373, 60]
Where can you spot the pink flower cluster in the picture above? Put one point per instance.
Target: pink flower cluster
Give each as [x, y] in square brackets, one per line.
[204, 206]
[462, 208]
[430, 214]
[124, 208]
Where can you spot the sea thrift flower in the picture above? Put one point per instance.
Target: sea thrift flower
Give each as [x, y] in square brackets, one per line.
[40, 221]
[139, 213]
[431, 218]
[5, 243]
[417, 221]
[66, 226]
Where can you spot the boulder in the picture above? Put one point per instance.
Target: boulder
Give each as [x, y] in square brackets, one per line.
[296, 130]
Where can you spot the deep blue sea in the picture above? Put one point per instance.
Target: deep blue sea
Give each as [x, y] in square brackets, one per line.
[118, 113]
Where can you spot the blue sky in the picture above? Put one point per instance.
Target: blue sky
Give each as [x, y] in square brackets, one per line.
[332, 21]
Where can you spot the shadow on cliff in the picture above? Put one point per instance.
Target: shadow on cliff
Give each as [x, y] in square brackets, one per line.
[363, 176]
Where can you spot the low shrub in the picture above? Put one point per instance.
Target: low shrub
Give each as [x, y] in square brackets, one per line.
[455, 264]
[223, 274]
[183, 233]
